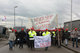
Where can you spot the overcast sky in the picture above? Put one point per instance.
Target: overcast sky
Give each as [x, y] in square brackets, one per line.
[33, 8]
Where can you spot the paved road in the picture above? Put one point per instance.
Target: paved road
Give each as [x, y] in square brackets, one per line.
[40, 50]
[3, 43]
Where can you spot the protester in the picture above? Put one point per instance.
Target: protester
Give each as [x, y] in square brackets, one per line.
[27, 38]
[58, 38]
[17, 37]
[21, 37]
[31, 33]
[44, 34]
[63, 38]
[74, 35]
[12, 38]
[53, 36]
[66, 36]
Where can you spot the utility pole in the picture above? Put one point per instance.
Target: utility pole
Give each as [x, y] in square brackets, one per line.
[71, 16]
[14, 15]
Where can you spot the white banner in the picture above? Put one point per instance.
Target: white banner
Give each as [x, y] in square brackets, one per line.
[45, 22]
[42, 41]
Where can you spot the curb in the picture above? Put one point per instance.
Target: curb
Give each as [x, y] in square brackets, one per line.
[70, 49]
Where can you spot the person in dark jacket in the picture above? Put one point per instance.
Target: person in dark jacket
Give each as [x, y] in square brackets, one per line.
[56, 38]
[66, 36]
[53, 37]
[27, 37]
[22, 35]
[17, 37]
[38, 32]
[63, 38]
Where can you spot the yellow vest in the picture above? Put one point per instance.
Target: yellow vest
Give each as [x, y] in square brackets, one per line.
[45, 33]
[54, 34]
[32, 34]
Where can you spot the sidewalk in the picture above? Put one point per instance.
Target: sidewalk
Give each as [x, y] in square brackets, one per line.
[3, 42]
[3, 39]
[70, 47]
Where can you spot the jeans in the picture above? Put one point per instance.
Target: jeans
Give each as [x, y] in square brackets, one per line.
[11, 43]
[75, 39]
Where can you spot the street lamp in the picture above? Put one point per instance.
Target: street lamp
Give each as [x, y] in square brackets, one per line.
[14, 14]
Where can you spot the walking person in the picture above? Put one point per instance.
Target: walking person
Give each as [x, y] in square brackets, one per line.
[12, 38]
[63, 38]
[74, 35]
[58, 38]
[44, 34]
[17, 37]
[53, 36]
[21, 38]
[27, 37]
[31, 33]
[66, 36]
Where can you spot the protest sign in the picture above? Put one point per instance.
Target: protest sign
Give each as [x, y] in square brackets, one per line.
[42, 41]
[45, 22]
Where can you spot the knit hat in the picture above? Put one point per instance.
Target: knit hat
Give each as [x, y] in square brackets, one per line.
[15, 30]
[12, 30]
[22, 29]
[75, 28]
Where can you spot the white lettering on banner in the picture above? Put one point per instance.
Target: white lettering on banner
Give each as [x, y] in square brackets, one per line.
[42, 41]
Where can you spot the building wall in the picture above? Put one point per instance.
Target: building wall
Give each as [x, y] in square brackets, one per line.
[75, 24]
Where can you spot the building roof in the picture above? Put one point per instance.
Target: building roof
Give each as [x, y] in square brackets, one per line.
[72, 21]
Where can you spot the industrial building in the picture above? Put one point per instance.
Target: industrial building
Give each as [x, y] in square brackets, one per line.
[75, 24]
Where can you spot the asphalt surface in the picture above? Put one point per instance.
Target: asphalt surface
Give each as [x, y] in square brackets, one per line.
[52, 49]
[3, 43]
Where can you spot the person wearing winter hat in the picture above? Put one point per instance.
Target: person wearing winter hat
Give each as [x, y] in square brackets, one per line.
[75, 37]
[17, 38]
[22, 35]
[12, 38]
[58, 37]
[66, 36]
[31, 33]
[46, 32]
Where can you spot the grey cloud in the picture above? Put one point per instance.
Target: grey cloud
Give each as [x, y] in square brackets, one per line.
[34, 8]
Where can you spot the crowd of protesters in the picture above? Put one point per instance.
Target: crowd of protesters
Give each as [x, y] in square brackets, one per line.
[58, 36]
